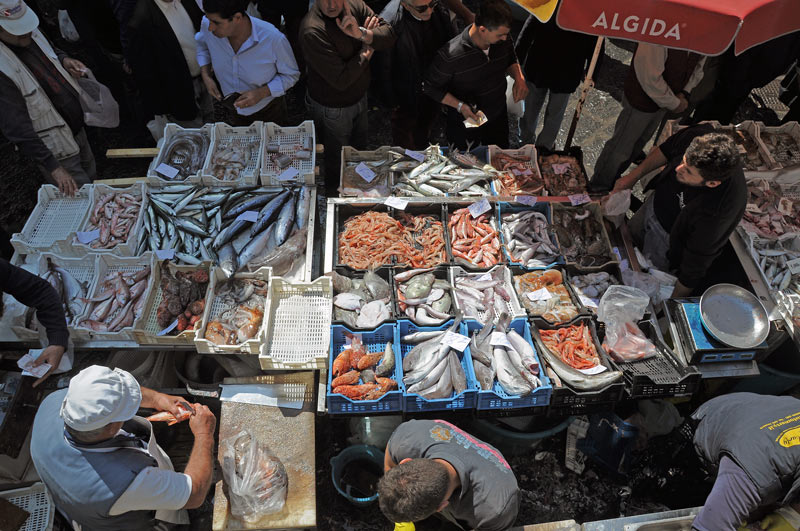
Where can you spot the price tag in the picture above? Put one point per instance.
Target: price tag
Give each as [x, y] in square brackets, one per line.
[752, 207]
[165, 254]
[476, 209]
[589, 303]
[785, 206]
[289, 174]
[455, 341]
[597, 369]
[560, 168]
[365, 172]
[89, 236]
[500, 339]
[526, 171]
[539, 295]
[168, 329]
[484, 277]
[794, 266]
[416, 155]
[578, 199]
[167, 171]
[529, 200]
[249, 215]
[396, 202]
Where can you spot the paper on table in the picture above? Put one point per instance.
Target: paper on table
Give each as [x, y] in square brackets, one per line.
[456, 341]
[277, 395]
[167, 171]
[597, 369]
[578, 199]
[416, 155]
[560, 168]
[529, 200]
[288, 174]
[479, 207]
[365, 172]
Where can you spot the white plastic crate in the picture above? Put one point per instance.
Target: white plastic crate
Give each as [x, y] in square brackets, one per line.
[128, 248]
[752, 128]
[37, 502]
[217, 307]
[85, 271]
[298, 324]
[352, 155]
[224, 136]
[513, 306]
[289, 140]
[784, 158]
[108, 264]
[526, 151]
[156, 179]
[53, 222]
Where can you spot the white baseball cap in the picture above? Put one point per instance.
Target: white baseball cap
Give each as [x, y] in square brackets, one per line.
[17, 18]
[98, 396]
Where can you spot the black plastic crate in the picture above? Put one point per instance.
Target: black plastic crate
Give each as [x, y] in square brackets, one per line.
[538, 319]
[492, 218]
[344, 212]
[386, 274]
[417, 208]
[574, 152]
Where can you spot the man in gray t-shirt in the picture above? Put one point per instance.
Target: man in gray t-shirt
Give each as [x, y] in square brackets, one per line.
[432, 466]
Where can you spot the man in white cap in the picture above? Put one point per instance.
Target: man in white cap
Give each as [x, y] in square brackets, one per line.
[101, 463]
[40, 98]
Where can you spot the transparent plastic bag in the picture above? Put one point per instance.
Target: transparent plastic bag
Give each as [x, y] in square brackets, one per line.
[615, 205]
[100, 109]
[257, 482]
[620, 308]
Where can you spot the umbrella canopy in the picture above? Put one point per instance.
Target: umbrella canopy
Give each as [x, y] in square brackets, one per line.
[704, 26]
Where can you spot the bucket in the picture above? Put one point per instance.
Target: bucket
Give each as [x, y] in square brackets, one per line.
[511, 442]
[355, 472]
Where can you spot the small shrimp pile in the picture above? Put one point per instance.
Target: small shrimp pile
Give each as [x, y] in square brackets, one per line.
[474, 239]
[573, 344]
[115, 215]
[556, 305]
[371, 239]
[562, 175]
[424, 236]
[516, 177]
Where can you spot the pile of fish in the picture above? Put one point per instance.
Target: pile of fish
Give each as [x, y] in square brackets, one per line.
[361, 303]
[232, 156]
[422, 297]
[243, 301]
[186, 152]
[117, 302]
[476, 293]
[751, 156]
[593, 285]
[474, 242]
[517, 175]
[201, 223]
[371, 239]
[508, 359]
[183, 298]
[432, 368]
[580, 236]
[573, 359]
[457, 174]
[544, 294]
[354, 185]
[114, 214]
[562, 175]
[783, 148]
[773, 257]
[361, 375]
[528, 239]
[71, 293]
[424, 236]
[769, 213]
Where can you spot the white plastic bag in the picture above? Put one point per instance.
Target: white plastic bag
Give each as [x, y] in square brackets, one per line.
[615, 206]
[67, 28]
[100, 109]
[515, 108]
[620, 308]
[257, 482]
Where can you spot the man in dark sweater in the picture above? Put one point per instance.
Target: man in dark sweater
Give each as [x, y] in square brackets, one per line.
[468, 75]
[338, 38]
[699, 199]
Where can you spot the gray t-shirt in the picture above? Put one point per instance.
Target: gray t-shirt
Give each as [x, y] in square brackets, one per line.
[488, 499]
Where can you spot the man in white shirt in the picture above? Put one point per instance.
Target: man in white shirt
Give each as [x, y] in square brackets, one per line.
[101, 463]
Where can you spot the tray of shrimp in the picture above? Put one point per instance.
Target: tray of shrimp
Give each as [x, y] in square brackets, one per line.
[474, 235]
[547, 295]
[367, 237]
[518, 171]
[425, 236]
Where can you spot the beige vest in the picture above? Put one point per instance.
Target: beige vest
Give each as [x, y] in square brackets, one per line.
[47, 122]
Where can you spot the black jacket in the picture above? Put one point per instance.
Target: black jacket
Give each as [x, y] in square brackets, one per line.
[158, 64]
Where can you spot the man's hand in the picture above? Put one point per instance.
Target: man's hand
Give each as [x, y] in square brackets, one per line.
[170, 403]
[468, 113]
[203, 422]
[211, 86]
[74, 67]
[64, 181]
[683, 105]
[51, 355]
[366, 54]
[251, 97]
[519, 90]
[348, 23]
[783, 519]
[372, 22]
[624, 183]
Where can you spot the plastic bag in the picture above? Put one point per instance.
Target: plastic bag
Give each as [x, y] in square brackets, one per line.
[67, 28]
[257, 482]
[100, 109]
[620, 308]
[515, 108]
[615, 206]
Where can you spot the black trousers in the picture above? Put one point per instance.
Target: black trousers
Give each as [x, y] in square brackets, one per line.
[495, 131]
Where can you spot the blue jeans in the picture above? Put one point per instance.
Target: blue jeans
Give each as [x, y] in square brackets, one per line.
[553, 115]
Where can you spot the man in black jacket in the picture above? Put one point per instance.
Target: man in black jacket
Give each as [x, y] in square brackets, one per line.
[699, 199]
[422, 27]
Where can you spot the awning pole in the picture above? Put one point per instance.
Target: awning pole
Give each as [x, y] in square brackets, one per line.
[588, 83]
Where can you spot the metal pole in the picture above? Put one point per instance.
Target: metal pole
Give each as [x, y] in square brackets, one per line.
[588, 83]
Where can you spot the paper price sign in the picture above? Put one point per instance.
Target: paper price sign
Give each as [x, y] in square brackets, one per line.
[526, 171]
[499, 339]
[785, 206]
[560, 168]
[396, 202]
[578, 199]
[167, 171]
[165, 254]
[416, 155]
[289, 174]
[484, 277]
[455, 341]
[365, 172]
[249, 215]
[529, 200]
[89, 236]
[539, 295]
[168, 329]
[597, 369]
[589, 303]
[476, 209]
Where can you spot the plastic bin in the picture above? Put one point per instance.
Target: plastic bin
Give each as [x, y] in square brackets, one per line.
[289, 140]
[383, 272]
[491, 218]
[441, 273]
[423, 209]
[513, 307]
[547, 158]
[359, 452]
[224, 136]
[37, 502]
[523, 297]
[508, 208]
[595, 212]
[609, 442]
[353, 156]
[344, 212]
[527, 151]
[788, 156]
[156, 179]
[127, 248]
[514, 443]
[84, 270]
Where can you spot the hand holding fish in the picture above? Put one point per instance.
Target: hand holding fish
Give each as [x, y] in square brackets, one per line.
[203, 422]
[175, 405]
[51, 355]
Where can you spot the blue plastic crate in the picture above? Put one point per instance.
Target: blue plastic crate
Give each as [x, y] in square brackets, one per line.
[412, 401]
[374, 341]
[497, 398]
[504, 207]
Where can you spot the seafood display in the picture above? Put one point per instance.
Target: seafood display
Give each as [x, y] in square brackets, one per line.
[592, 286]
[528, 239]
[361, 375]
[477, 293]
[783, 148]
[474, 242]
[242, 302]
[517, 175]
[71, 293]
[457, 174]
[185, 413]
[562, 175]
[114, 215]
[183, 298]
[773, 258]
[769, 213]
[510, 361]
[117, 302]
[544, 294]
[353, 184]
[186, 152]
[581, 236]
[422, 297]
[424, 236]
[748, 147]
[232, 155]
[371, 239]
[574, 360]
[284, 150]
[433, 370]
[361, 303]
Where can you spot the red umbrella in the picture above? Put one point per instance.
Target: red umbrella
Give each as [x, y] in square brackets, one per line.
[704, 26]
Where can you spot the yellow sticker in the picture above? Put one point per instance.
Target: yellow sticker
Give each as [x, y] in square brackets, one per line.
[441, 434]
[790, 438]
